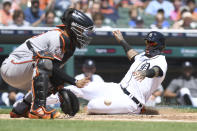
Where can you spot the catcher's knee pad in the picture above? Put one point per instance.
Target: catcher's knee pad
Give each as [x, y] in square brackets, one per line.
[68, 102]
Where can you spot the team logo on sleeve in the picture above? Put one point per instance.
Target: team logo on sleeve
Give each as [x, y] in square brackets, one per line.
[145, 66]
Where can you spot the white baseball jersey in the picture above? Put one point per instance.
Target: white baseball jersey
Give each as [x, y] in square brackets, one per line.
[143, 90]
[95, 77]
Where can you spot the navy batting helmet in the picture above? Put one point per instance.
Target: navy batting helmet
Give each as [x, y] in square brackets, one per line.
[79, 25]
[155, 43]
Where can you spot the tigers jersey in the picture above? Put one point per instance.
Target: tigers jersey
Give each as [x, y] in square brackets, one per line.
[54, 41]
[143, 90]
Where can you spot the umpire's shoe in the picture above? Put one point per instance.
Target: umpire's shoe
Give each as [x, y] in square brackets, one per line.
[43, 113]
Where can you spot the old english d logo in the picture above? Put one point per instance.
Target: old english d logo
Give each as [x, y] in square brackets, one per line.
[145, 66]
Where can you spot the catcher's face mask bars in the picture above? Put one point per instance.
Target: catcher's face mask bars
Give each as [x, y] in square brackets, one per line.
[84, 35]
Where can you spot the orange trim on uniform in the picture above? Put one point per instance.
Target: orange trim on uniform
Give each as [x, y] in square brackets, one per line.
[46, 57]
[21, 62]
[61, 25]
[64, 44]
[33, 91]
[37, 72]
[65, 33]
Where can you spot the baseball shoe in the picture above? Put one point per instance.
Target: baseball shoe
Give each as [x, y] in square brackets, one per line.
[54, 113]
[43, 113]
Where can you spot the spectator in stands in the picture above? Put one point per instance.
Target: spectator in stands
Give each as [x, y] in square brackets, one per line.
[96, 8]
[186, 21]
[47, 4]
[184, 88]
[5, 14]
[135, 20]
[155, 5]
[175, 14]
[126, 4]
[139, 22]
[62, 5]
[192, 8]
[160, 21]
[34, 15]
[15, 5]
[98, 19]
[85, 7]
[19, 19]
[140, 3]
[49, 19]
[23, 4]
[108, 11]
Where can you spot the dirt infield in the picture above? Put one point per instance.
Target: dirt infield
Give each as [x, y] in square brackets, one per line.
[152, 115]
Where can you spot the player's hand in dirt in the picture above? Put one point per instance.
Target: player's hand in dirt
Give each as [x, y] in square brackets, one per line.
[139, 75]
[118, 35]
[83, 82]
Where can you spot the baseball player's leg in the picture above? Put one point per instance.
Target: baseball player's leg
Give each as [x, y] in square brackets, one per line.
[91, 91]
[17, 75]
[185, 96]
[113, 105]
[194, 101]
[52, 99]
[40, 90]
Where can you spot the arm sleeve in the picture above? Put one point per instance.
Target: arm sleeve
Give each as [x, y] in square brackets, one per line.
[152, 72]
[62, 76]
[125, 45]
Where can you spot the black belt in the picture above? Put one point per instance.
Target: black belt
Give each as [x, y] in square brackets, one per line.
[131, 96]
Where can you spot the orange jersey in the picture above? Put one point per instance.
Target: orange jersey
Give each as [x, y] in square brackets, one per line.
[5, 18]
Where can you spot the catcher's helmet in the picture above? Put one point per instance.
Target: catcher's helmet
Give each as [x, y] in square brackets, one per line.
[155, 43]
[79, 25]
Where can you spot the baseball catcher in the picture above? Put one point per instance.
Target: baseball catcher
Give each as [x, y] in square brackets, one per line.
[37, 65]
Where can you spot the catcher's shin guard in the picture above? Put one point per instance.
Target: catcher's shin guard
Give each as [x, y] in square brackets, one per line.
[40, 91]
[21, 107]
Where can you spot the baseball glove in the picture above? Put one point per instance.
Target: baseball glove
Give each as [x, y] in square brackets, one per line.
[69, 102]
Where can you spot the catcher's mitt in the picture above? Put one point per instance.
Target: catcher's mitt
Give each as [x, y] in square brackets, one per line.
[69, 102]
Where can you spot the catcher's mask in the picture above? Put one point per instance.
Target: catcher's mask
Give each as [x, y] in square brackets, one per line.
[155, 43]
[79, 25]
